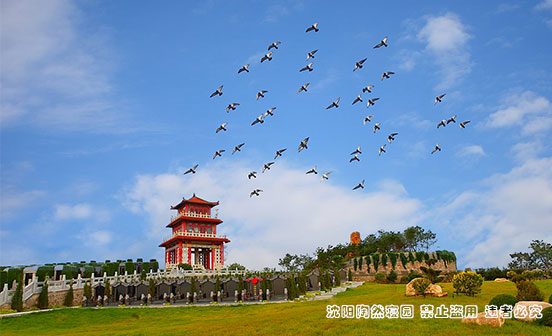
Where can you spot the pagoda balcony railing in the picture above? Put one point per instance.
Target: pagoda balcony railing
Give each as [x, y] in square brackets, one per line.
[194, 234]
[193, 214]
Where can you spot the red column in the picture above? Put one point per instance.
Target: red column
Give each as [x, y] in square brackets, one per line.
[222, 254]
[180, 252]
[212, 258]
[189, 255]
[166, 257]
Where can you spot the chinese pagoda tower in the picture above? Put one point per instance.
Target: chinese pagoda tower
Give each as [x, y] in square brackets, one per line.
[194, 238]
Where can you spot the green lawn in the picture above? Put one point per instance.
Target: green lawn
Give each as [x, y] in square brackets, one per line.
[282, 319]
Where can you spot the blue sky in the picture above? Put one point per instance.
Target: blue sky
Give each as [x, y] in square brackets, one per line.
[105, 104]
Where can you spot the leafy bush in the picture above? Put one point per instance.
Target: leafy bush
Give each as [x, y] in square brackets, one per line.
[17, 300]
[3, 279]
[448, 276]
[528, 291]
[43, 297]
[420, 285]
[355, 264]
[431, 274]
[392, 258]
[337, 277]
[375, 260]
[404, 279]
[130, 267]
[68, 302]
[517, 278]
[546, 319]
[392, 276]
[467, 282]
[87, 291]
[550, 299]
[350, 275]
[186, 267]
[14, 274]
[413, 275]
[384, 259]
[44, 271]
[503, 299]
[360, 263]
[380, 277]
[404, 260]
[534, 275]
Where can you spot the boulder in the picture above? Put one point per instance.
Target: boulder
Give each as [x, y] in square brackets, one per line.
[482, 320]
[527, 304]
[433, 290]
[501, 280]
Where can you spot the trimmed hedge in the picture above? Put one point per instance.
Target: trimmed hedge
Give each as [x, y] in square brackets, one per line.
[546, 319]
[503, 299]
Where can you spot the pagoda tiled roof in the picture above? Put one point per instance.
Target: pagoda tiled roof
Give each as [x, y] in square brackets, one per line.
[194, 200]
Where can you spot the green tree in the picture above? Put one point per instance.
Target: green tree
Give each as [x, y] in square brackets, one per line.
[17, 300]
[355, 264]
[68, 302]
[151, 287]
[540, 257]
[107, 290]
[236, 266]
[185, 266]
[337, 277]
[43, 297]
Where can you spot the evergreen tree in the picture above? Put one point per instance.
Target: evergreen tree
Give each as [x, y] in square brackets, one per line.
[87, 291]
[337, 278]
[302, 284]
[360, 263]
[151, 288]
[107, 290]
[43, 297]
[69, 296]
[328, 281]
[355, 264]
[17, 300]
[240, 288]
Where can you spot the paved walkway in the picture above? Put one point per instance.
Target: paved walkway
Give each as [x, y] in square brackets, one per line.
[322, 296]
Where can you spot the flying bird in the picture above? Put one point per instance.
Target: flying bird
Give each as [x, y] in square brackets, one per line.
[258, 120]
[304, 87]
[383, 43]
[368, 118]
[253, 174]
[464, 123]
[274, 45]
[244, 68]
[376, 127]
[307, 67]
[367, 89]
[325, 176]
[391, 137]
[386, 74]
[303, 144]
[260, 94]
[452, 119]
[372, 102]
[356, 151]
[191, 170]
[381, 150]
[313, 27]
[269, 112]
[238, 148]
[218, 153]
[358, 65]
[437, 148]
[312, 171]
[231, 107]
[255, 192]
[360, 185]
[267, 56]
[311, 54]
[267, 166]
[217, 92]
[279, 153]
[222, 127]
[334, 104]
[354, 158]
[438, 98]
[357, 99]
[442, 123]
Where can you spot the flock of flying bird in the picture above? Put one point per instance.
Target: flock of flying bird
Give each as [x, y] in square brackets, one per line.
[335, 104]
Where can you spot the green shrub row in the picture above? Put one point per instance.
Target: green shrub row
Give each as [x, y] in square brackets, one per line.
[377, 259]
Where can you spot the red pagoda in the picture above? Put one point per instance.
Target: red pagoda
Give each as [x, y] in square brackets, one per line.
[194, 238]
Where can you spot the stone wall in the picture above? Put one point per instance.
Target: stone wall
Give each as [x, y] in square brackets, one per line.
[367, 273]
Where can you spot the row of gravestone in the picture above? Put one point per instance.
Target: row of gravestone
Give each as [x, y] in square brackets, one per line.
[180, 289]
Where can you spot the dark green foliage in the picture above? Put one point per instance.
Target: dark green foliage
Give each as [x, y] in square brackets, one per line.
[446, 256]
[327, 281]
[404, 279]
[392, 276]
[154, 265]
[152, 288]
[87, 291]
[384, 259]
[502, 299]
[3, 279]
[337, 277]
[490, 274]
[540, 257]
[14, 274]
[110, 268]
[528, 291]
[431, 274]
[45, 271]
[426, 256]
[360, 263]
[17, 300]
[130, 267]
[70, 271]
[375, 260]
[236, 266]
[43, 297]
[107, 290]
[550, 299]
[411, 257]
[467, 282]
[393, 258]
[292, 290]
[380, 277]
[546, 319]
[302, 279]
[186, 267]
[143, 275]
[420, 256]
[68, 302]
[413, 275]
[350, 277]
[421, 285]
[240, 288]
[355, 264]
[87, 271]
[404, 260]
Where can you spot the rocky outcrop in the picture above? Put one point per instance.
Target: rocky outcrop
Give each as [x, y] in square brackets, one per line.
[433, 290]
[527, 304]
[481, 319]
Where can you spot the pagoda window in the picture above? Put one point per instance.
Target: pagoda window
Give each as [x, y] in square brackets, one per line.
[208, 230]
[196, 229]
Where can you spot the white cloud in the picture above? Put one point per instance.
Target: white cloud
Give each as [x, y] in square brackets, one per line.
[296, 212]
[78, 211]
[11, 201]
[544, 5]
[446, 39]
[101, 237]
[472, 150]
[52, 75]
[511, 210]
[275, 12]
[527, 109]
